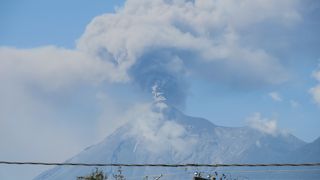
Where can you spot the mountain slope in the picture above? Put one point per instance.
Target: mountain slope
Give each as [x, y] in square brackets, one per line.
[307, 153]
[168, 136]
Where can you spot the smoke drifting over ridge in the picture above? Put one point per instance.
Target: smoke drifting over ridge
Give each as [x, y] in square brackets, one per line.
[165, 44]
[165, 41]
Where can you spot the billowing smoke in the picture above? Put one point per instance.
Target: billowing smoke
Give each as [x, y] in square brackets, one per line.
[157, 45]
[163, 70]
[164, 41]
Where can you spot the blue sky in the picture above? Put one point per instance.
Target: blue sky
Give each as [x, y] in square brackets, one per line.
[76, 104]
[36, 23]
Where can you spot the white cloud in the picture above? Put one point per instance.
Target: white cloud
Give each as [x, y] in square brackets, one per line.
[208, 30]
[275, 96]
[316, 75]
[315, 91]
[264, 125]
[294, 103]
[30, 128]
[52, 68]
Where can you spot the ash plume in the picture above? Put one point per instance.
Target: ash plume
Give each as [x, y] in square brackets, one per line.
[163, 42]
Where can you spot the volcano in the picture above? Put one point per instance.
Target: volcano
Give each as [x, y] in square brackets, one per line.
[165, 135]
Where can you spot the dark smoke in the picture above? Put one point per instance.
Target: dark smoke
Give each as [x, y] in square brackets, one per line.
[165, 69]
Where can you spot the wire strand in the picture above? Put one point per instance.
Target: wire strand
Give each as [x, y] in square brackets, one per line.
[155, 165]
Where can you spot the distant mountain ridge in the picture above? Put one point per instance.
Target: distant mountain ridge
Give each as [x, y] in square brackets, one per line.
[307, 153]
[185, 139]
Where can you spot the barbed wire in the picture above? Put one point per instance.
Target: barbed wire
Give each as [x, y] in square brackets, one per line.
[154, 165]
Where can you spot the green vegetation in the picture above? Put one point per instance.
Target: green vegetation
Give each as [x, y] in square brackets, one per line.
[96, 175]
